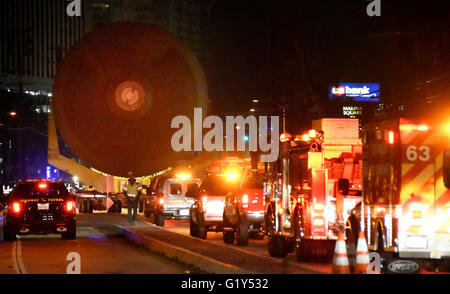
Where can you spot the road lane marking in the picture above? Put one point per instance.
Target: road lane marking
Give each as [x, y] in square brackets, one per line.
[19, 267]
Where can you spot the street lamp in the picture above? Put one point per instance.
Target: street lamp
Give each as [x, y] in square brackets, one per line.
[12, 113]
[282, 107]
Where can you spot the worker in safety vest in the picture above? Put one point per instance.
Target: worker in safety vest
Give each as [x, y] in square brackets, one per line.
[132, 191]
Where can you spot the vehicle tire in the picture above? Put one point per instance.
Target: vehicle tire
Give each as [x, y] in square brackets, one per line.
[159, 220]
[70, 234]
[147, 213]
[228, 237]
[202, 229]
[8, 234]
[243, 234]
[193, 228]
[276, 246]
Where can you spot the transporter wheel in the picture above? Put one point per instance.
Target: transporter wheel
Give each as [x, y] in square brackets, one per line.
[8, 233]
[118, 205]
[243, 234]
[89, 206]
[70, 234]
[276, 246]
[228, 237]
[81, 205]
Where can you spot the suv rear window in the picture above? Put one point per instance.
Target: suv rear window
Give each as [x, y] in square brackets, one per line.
[175, 189]
[254, 181]
[39, 189]
[216, 185]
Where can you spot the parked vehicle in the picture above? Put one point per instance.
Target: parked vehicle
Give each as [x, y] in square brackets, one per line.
[406, 212]
[311, 200]
[206, 213]
[244, 210]
[169, 197]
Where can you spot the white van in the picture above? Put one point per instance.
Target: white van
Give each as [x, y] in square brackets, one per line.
[168, 199]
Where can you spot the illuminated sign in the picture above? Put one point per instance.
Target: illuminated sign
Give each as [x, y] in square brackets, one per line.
[352, 111]
[367, 92]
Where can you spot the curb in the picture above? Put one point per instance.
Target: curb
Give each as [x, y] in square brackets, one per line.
[185, 256]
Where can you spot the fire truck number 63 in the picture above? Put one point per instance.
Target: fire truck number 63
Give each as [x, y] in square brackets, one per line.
[421, 153]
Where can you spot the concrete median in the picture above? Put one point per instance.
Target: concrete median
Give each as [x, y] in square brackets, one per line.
[182, 255]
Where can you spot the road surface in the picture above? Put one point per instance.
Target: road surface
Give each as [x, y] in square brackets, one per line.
[101, 250]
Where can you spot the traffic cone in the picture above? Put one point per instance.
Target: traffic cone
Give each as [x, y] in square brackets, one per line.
[340, 260]
[362, 255]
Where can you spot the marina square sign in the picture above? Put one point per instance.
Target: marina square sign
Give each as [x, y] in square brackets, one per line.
[360, 92]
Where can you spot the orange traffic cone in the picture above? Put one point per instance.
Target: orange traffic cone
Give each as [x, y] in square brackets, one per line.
[362, 255]
[340, 260]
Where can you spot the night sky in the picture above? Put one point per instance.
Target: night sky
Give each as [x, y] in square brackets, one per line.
[290, 51]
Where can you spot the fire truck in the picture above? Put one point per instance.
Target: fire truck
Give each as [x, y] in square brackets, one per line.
[320, 182]
[406, 209]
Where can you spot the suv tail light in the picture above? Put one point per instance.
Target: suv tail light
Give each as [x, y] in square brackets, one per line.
[70, 205]
[204, 202]
[16, 207]
[161, 201]
[244, 201]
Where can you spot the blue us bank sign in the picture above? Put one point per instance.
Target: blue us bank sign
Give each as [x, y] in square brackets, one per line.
[360, 92]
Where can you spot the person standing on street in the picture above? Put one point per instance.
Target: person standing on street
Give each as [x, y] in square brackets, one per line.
[132, 190]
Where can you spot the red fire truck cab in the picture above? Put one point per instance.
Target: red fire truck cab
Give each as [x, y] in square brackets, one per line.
[406, 207]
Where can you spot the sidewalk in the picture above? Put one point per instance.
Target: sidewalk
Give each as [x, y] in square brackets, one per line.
[205, 255]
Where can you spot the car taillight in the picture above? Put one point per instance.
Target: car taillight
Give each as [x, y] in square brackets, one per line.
[16, 207]
[43, 186]
[70, 205]
[161, 201]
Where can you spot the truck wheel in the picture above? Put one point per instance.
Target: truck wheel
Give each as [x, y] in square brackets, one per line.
[228, 237]
[276, 246]
[160, 219]
[243, 234]
[70, 234]
[8, 234]
[193, 228]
